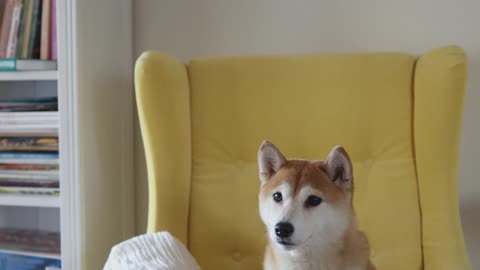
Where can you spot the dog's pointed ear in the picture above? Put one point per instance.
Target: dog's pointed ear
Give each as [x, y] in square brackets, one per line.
[270, 160]
[339, 168]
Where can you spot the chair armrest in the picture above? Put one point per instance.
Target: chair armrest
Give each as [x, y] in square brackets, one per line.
[163, 101]
[439, 87]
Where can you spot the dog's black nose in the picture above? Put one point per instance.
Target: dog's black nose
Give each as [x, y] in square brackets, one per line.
[284, 229]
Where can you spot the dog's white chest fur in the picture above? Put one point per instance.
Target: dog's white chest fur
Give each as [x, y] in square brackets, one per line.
[314, 259]
[352, 254]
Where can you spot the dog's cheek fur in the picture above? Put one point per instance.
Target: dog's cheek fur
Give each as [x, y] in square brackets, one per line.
[317, 226]
[267, 210]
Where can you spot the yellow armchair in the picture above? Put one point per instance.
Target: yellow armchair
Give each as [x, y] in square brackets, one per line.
[398, 116]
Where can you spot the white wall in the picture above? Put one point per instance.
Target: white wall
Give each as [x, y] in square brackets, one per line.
[193, 28]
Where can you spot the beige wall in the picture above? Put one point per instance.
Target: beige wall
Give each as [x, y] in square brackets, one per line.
[193, 28]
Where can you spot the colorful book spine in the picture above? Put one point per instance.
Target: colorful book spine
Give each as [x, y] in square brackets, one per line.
[21, 29]
[2, 6]
[13, 155]
[23, 262]
[28, 28]
[34, 41]
[8, 65]
[15, 64]
[29, 100]
[45, 32]
[50, 161]
[28, 175]
[30, 190]
[53, 25]
[28, 167]
[5, 30]
[14, 24]
[28, 144]
[14, 185]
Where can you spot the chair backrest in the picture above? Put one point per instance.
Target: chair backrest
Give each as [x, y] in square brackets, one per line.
[202, 124]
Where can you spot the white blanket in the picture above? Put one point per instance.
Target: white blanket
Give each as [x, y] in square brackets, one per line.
[156, 251]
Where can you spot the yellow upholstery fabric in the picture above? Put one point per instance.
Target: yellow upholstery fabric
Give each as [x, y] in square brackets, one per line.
[398, 117]
[439, 90]
[165, 92]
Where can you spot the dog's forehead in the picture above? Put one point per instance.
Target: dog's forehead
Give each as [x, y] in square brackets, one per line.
[298, 174]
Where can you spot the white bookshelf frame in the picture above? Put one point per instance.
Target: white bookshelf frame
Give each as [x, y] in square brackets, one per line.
[66, 87]
[95, 90]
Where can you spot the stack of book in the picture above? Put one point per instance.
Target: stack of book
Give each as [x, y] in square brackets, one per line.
[29, 161]
[29, 249]
[29, 241]
[28, 36]
[23, 262]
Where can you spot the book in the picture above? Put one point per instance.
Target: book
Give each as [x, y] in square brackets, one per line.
[45, 30]
[14, 24]
[28, 144]
[29, 129]
[2, 6]
[53, 25]
[27, 31]
[30, 240]
[52, 106]
[21, 29]
[35, 115]
[24, 158]
[28, 167]
[34, 42]
[29, 183]
[29, 135]
[29, 105]
[22, 121]
[28, 120]
[29, 174]
[29, 100]
[5, 29]
[15, 64]
[25, 107]
[34, 118]
[12, 119]
[30, 161]
[28, 156]
[45, 191]
[10, 261]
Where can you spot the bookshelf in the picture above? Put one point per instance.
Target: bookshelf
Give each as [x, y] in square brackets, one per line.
[94, 86]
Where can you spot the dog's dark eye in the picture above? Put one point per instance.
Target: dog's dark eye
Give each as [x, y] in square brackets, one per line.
[313, 201]
[277, 196]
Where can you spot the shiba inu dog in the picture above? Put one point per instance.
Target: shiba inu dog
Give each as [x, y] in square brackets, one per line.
[306, 206]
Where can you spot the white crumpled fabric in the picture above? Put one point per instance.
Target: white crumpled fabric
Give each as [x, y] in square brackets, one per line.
[156, 251]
